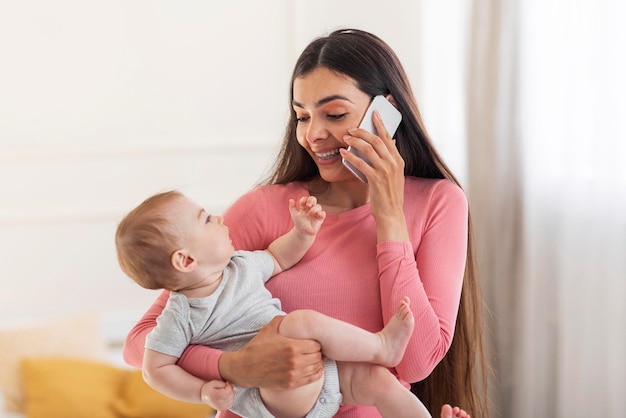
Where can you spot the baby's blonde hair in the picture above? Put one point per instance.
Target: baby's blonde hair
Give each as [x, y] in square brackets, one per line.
[145, 241]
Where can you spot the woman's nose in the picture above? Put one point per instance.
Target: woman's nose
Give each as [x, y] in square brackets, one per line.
[316, 130]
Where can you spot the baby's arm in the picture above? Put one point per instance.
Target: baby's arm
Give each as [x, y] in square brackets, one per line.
[288, 249]
[161, 373]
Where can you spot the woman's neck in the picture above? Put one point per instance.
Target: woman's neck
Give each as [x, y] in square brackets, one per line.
[339, 197]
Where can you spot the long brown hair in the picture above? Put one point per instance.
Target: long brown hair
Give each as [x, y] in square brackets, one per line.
[460, 378]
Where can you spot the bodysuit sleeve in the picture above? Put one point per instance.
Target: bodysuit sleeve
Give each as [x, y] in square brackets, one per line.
[429, 270]
[173, 330]
[198, 360]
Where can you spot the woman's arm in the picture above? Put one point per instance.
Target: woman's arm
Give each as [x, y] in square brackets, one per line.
[430, 271]
[432, 274]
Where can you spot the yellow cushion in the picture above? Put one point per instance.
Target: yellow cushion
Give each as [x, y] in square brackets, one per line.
[138, 400]
[62, 388]
[77, 336]
[57, 387]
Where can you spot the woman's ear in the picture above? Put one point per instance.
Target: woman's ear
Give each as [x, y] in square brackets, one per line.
[183, 261]
[391, 100]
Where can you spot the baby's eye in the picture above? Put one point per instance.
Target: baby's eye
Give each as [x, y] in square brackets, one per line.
[208, 219]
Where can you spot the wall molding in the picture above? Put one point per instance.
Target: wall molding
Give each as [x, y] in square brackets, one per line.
[73, 152]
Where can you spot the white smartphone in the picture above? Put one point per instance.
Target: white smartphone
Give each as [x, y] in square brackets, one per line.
[391, 119]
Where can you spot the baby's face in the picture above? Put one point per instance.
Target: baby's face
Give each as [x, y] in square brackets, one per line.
[206, 236]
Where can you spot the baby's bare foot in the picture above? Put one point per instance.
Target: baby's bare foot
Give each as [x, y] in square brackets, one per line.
[449, 412]
[396, 335]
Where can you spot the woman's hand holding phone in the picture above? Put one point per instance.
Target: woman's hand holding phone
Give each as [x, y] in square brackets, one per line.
[383, 171]
[391, 119]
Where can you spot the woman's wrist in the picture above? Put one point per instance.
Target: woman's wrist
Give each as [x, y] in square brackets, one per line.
[391, 228]
[230, 368]
[224, 365]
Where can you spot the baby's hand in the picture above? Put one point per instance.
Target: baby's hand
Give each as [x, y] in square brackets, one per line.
[307, 214]
[217, 394]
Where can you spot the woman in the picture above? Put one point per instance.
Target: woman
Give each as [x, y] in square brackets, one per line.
[404, 232]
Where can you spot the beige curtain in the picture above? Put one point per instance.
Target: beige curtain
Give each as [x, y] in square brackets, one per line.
[546, 102]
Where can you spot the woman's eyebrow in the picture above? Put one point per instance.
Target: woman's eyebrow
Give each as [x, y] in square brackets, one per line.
[323, 101]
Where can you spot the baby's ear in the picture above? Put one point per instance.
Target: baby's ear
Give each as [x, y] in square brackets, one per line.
[183, 261]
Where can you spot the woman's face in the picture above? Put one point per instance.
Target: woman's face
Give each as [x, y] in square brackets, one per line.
[327, 104]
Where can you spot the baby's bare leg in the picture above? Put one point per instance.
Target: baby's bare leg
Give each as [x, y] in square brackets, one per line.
[292, 403]
[370, 384]
[345, 342]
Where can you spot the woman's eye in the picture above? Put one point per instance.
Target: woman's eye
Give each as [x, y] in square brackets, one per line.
[333, 117]
[302, 119]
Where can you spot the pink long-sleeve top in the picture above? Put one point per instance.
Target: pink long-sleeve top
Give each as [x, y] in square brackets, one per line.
[348, 275]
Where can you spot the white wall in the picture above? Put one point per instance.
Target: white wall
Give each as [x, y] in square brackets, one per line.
[103, 103]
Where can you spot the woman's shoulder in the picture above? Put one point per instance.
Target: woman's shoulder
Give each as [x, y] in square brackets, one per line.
[420, 188]
[427, 185]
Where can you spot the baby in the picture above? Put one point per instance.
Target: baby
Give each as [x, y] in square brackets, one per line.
[218, 298]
